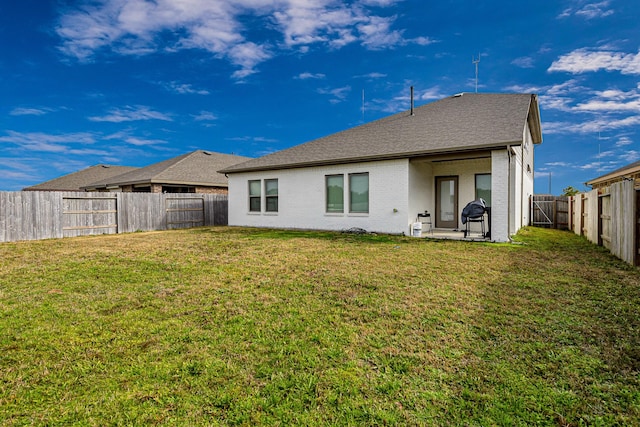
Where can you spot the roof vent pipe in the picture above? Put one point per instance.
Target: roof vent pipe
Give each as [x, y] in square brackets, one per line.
[412, 100]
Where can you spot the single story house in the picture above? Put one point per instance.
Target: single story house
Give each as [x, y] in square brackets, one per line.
[629, 172]
[76, 181]
[194, 172]
[380, 175]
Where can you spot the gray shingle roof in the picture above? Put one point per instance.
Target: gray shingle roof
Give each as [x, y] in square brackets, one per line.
[462, 122]
[77, 180]
[195, 168]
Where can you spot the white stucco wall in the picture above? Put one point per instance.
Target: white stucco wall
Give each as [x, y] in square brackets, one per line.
[302, 198]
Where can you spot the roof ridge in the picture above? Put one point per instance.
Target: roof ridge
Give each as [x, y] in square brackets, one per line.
[177, 161]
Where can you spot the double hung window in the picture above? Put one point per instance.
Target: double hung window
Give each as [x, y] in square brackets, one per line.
[359, 193]
[271, 195]
[255, 196]
[335, 193]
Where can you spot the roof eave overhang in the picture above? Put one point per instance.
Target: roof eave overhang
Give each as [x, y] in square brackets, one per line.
[153, 181]
[612, 176]
[361, 159]
[533, 120]
[191, 183]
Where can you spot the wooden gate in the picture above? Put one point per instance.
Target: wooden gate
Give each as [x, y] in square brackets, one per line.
[550, 211]
[184, 212]
[89, 215]
[604, 220]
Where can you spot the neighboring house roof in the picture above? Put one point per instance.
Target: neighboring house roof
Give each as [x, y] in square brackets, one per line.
[618, 174]
[76, 181]
[463, 122]
[196, 168]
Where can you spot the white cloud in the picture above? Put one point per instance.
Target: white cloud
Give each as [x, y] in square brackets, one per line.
[590, 126]
[142, 142]
[339, 94]
[131, 113]
[376, 33]
[125, 136]
[373, 75]
[630, 156]
[429, 94]
[598, 166]
[382, 3]
[609, 109]
[50, 143]
[422, 41]
[589, 11]
[247, 56]
[140, 27]
[307, 75]
[184, 89]
[252, 139]
[87, 152]
[523, 62]
[608, 153]
[14, 175]
[623, 141]
[205, 116]
[32, 137]
[609, 106]
[589, 60]
[558, 164]
[30, 111]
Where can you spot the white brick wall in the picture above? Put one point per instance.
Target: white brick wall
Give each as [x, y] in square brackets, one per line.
[499, 195]
[408, 187]
[302, 198]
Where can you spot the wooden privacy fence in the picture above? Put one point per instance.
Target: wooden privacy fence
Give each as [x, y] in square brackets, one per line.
[549, 211]
[609, 217]
[34, 215]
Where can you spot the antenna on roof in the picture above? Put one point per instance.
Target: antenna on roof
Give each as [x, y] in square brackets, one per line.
[362, 105]
[599, 155]
[412, 100]
[476, 62]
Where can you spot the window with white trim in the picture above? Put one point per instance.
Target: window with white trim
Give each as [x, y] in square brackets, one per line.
[334, 193]
[255, 196]
[271, 195]
[359, 192]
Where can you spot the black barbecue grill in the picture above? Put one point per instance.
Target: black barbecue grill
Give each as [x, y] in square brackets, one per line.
[474, 212]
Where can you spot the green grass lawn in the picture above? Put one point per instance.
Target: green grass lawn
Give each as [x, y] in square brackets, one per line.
[231, 326]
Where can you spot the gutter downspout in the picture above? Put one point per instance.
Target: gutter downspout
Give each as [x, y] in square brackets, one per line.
[509, 193]
[522, 207]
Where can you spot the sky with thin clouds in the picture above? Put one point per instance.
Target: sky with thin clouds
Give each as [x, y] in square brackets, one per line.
[134, 82]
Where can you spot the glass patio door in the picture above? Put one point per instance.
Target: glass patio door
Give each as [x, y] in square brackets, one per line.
[447, 202]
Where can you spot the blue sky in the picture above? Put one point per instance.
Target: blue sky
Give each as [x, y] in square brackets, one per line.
[134, 82]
